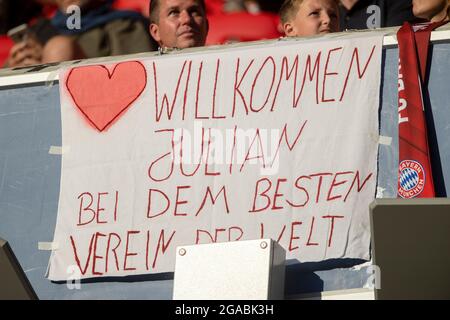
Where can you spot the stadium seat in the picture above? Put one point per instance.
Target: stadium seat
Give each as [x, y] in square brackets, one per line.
[214, 7]
[5, 45]
[135, 5]
[242, 26]
[48, 11]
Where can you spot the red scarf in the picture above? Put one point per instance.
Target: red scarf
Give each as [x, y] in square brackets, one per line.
[415, 178]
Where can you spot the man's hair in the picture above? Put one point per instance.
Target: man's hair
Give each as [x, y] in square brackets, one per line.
[154, 9]
[289, 9]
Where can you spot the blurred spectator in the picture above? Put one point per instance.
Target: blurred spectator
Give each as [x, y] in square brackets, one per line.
[30, 43]
[370, 14]
[233, 6]
[309, 17]
[16, 12]
[101, 32]
[432, 10]
[252, 6]
[104, 31]
[25, 53]
[178, 23]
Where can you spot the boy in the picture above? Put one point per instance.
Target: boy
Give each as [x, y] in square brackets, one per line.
[309, 17]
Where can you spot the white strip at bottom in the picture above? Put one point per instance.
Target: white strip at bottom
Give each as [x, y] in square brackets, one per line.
[350, 294]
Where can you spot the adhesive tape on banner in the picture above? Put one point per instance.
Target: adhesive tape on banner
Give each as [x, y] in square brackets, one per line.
[380, 192]
[51, 78]
[386, 141]
[48, 246]
[56, 150]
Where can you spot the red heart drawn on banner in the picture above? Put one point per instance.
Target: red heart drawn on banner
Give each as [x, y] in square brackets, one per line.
[102, 96]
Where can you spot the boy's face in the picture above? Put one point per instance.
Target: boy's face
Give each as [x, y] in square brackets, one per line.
[314, 17]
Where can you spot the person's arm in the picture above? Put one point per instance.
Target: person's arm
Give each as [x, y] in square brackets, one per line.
[61, 48]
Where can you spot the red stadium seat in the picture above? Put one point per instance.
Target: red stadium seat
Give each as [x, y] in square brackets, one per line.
[49, 11]
[241, 27]
[214, 7]
[135, 5]
[5, 45]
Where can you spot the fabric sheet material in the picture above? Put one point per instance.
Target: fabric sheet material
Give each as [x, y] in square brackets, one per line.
[273, 141]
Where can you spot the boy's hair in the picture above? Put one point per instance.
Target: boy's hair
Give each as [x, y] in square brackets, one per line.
[289, 9]
[154, 9]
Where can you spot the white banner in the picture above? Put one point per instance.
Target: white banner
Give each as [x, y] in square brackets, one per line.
[276, 141]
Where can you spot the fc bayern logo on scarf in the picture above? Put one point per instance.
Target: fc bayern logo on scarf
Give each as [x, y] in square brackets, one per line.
[411, 179]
